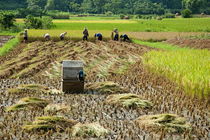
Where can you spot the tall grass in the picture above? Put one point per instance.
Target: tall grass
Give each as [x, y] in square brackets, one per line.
[189, 68]
[9, 46]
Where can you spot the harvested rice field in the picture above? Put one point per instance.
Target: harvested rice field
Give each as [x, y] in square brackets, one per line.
[122, 98]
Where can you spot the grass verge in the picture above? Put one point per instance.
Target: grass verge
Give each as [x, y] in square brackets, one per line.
[9, 46]
[189, 68]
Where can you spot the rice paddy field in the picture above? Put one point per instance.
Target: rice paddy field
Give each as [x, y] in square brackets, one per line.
[156, 87]
[165, 25]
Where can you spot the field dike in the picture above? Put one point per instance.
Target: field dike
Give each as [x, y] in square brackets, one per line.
[107, 64]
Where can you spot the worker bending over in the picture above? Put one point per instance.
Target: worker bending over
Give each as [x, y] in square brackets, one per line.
[99, 36]
[62, 35]
[86, 34]
[47, 37]
[124, 38]
[115, 35]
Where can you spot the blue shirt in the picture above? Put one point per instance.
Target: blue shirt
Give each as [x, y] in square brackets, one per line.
[98, 35]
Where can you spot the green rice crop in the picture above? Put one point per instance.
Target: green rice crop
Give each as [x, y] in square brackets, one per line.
[189, 68]
[9, 46]
[159, 45]
[165, 25]
[70, 33]
[7, 33]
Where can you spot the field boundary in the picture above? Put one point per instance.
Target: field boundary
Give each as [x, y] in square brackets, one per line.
[9, 46]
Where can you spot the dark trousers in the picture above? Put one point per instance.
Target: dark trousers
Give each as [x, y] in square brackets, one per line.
[85, 37]
[62, 38]
[100, 38]
[26, 38]
[116, 37]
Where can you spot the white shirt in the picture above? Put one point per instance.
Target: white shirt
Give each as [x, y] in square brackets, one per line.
[62, 35]
[46, 35]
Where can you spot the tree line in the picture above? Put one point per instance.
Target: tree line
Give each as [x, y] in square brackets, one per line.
[159, 7]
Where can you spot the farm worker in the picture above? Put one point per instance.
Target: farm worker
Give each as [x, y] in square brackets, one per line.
[124, 37]
[99, 36]
[86, 34]
[25, 35]
[47, 36]
[62, 35]
[115, 35]
[81, 75]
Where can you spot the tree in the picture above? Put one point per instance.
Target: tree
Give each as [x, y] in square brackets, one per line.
[186, 13]
[194, 5]
[50, 5]
[7, 20]
[87, 6]
[38, 23]
[33, 22]
[74, 7]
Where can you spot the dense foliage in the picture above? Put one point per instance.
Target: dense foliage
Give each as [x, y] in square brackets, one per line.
[39, 7]
[38, 23]
[186, 13]
[6, 20]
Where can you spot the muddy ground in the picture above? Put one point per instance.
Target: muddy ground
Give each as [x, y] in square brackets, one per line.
[192, 43]
[4, 39]
[104, 61]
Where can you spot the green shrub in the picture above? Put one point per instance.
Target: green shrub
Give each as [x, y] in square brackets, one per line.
[138, 16]
[7, 20]
[16, 28]
[38, 23]
[186, 13]
[109, 13]
[58, 15]
[47, 22]
[122, 16]
[169, 15]
[159, 18]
